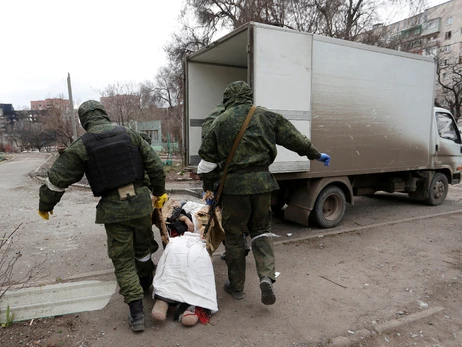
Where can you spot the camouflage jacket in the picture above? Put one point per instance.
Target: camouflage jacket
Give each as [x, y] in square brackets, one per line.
[69, 168]
[207, 123]
[257, 148]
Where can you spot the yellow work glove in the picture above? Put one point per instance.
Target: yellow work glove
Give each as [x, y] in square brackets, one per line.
[160, 201]
[45, 215]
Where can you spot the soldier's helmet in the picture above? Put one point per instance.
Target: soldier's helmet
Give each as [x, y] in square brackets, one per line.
[91, 105]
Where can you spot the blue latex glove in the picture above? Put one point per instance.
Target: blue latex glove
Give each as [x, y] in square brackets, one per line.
[325, 158]
[208, 200]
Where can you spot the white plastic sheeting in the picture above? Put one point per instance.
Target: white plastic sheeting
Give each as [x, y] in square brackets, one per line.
[185, 273]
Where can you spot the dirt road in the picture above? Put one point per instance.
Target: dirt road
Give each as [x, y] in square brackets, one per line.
[391, 259]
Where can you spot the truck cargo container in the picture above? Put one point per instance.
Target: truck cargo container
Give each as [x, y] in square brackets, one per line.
[371, 109]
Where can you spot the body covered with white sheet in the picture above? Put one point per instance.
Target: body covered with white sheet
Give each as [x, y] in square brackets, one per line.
[184, 272]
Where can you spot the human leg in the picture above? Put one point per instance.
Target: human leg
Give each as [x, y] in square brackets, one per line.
[144, 246]
[235, 215]
[122, 254]
[262, 245]
[159, 311]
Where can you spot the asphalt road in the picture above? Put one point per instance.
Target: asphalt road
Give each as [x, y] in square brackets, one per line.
[390, 258]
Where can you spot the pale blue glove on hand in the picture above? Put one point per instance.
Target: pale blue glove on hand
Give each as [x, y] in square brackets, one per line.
[325, 158]
[207, 197]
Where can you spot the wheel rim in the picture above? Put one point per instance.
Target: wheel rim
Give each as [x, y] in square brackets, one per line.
[439, 189]
[331, 208]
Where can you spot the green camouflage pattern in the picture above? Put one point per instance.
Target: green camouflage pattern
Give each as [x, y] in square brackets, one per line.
[207, 123]
[252, 213]
[146, 137]
[256, 148]
[127, 242]
[212, 179]
[87, 106]
[69, 169]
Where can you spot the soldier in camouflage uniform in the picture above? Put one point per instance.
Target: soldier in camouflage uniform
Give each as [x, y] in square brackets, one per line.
[246, 197]
[114, 160]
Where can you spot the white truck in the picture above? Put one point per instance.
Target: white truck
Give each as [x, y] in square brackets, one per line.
[370, 109]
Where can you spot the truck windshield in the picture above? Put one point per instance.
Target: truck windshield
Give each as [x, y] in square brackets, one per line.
[447, 129]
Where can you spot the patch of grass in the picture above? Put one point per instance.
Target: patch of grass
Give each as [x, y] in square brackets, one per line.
[9, 318]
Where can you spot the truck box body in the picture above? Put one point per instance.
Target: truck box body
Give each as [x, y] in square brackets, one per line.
[370, 109]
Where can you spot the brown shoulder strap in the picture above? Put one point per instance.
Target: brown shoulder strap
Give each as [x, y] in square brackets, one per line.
[233, 149]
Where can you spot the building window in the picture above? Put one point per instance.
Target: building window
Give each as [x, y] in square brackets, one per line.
[445, 48]
[155, 135]
[432, 24]
[449, 21]
[447, 35]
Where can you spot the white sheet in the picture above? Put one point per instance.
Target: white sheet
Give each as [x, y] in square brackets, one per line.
[185, 273]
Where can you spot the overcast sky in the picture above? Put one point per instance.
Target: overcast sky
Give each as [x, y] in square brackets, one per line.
[99, 42]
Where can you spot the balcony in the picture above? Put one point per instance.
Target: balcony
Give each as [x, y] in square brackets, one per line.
[431, 44]
[431, 27]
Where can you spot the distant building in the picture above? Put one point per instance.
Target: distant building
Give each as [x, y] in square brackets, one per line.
[48, 104]
[8, 114]
[153, 128]
[120, 99]
[437, 33]
[436, 30]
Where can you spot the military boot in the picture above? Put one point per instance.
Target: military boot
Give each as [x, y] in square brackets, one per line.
[267, 291]
[146, 281]
[136, 317]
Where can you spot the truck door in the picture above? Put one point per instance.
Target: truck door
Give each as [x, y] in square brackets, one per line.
[449, 144]
[282, 82]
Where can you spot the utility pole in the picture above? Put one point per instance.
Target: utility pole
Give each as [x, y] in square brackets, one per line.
[71, 107]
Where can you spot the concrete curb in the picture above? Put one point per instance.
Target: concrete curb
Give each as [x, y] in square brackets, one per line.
[40, 166]
[392, 324]
[349, 230]
[196, 192]
[357, 336]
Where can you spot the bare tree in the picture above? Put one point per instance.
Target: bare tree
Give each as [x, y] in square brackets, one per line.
[344, 19]
[8, 259]
[122, 102]
[58, 126]
[28, 134]
[166, 93]
[449, 75]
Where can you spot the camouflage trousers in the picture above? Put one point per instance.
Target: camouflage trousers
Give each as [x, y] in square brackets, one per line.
[130, 245]
[250, 213]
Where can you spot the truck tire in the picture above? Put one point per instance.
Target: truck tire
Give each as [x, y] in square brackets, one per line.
[438, 189]
[329, 207]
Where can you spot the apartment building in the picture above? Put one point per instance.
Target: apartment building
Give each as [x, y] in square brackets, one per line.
[49, 104]
[437, 33]
[436, 30]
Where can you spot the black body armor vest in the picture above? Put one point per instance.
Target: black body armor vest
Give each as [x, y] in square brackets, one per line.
[113, 160]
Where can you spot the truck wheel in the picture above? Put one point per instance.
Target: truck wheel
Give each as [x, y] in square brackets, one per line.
[329, 207]
[438, 189]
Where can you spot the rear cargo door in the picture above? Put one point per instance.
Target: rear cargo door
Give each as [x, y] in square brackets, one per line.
[208, 72]
[282, 82]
